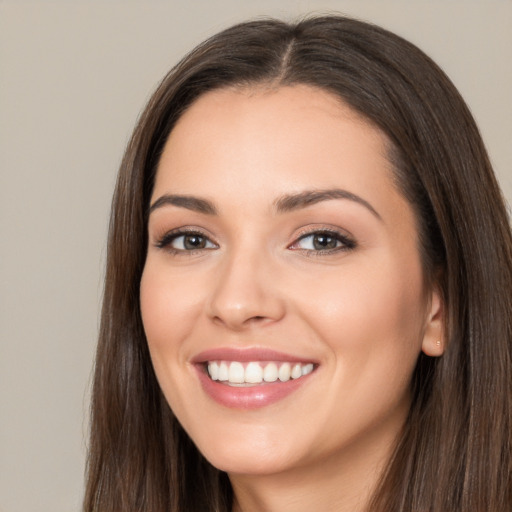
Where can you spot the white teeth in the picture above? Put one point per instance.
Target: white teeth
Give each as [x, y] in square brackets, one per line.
[270, 372]
[213, 370]
[284, 372]
[254, 372]
[223, 372]
[236, 373]
[296, 372]
[307, 368]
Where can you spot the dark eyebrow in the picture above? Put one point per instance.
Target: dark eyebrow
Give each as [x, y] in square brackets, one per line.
[189, 202]
[292, 202]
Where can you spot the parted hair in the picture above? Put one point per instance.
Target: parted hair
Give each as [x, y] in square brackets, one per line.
[454, 453]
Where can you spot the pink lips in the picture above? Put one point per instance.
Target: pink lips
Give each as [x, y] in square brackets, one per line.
[251, 397]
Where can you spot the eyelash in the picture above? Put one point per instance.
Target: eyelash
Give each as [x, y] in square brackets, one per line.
[347, 243]
[170, 237]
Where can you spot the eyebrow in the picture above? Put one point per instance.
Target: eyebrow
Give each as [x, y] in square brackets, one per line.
[283, 204]
[292, 202]
[189, 202]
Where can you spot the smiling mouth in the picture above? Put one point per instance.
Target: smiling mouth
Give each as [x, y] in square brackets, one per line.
[254, 373]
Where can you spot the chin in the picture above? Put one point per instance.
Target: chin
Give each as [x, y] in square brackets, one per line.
[248, 464]
[249, 453]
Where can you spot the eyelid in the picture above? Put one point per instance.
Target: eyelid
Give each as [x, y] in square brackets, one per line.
[164, 241]
[348, 242]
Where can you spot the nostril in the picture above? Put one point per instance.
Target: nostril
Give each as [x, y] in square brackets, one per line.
[257, 319]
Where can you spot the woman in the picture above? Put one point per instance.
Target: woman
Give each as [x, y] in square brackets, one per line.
[308, 289]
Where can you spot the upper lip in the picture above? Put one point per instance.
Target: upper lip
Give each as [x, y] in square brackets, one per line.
[245, 355]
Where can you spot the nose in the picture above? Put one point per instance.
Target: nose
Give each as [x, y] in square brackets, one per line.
[246, 293]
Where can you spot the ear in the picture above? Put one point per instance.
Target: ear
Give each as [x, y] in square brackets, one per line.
[433, 338]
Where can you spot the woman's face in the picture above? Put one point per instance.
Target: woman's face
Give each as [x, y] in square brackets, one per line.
[282, 296]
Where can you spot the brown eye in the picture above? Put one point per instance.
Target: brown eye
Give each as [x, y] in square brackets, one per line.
[191, 242]
[185, 242]
[322, 241]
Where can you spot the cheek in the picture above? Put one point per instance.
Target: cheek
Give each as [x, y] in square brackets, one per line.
[168, 310]
[156, 308]
[370, 313]
[168, 304]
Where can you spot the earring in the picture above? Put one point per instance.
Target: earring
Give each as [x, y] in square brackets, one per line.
[438, 343]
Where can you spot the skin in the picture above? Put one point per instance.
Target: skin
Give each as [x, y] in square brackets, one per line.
[363, 313]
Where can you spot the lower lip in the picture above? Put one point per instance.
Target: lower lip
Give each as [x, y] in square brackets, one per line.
[251, 397]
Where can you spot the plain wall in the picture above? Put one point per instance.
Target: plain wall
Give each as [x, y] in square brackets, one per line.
[73, 77]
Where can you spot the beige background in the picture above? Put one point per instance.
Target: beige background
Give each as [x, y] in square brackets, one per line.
[73, 77]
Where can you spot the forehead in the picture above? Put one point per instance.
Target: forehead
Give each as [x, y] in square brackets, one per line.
[302, 132]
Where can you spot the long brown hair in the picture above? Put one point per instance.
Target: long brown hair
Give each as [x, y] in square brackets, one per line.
[454, 454]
